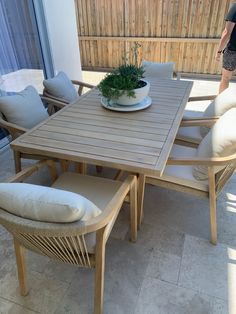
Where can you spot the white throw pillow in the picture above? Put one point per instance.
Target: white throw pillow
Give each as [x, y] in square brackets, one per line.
[222, 103]
[24, 108]
[61, 86]
[45, 204]
[219, 142]
[155, 69]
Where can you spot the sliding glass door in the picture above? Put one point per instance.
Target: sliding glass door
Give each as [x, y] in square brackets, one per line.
[25, 57]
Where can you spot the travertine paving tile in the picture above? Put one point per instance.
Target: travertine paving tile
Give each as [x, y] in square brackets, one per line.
[125, 268]
[79, 296]
[164, 266]
[205, 267]
[121, 228]
[226, 213]
[51, 268]
[179, 211]
[162, 238]
[44, 294]
[159, 297]
[7, 307]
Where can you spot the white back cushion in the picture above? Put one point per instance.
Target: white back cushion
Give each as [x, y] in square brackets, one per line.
[24, 108]
[45, 204]
[222, 103]
[219, 142]
[61, 86]
[155, 69]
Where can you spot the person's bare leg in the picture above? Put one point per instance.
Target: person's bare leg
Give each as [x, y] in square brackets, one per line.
[225, 78]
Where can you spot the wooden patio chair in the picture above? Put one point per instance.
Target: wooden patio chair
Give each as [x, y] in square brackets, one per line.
[81, 242]
[161, 70]
[62, 89]
[198, 117]
[10, 117]
[203, 171]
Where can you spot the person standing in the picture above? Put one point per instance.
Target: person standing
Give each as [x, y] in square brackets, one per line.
[227, 48]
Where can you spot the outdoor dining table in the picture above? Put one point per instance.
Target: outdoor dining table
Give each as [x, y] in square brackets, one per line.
[138, 142]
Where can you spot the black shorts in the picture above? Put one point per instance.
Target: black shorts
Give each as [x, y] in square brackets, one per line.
[229, 60]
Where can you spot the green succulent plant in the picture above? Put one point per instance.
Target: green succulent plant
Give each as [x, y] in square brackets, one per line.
[122, 80]
[125, 78]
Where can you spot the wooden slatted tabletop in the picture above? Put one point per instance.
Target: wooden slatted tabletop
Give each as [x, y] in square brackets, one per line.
[134, 141]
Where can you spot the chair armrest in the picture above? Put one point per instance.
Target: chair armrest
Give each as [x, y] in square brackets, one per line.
[214, 161]
[28, 171]
[198, 122]
[200, 98]
[113, 206]
[53, 102]
[12, 128]
[82, 84]
[177, 75]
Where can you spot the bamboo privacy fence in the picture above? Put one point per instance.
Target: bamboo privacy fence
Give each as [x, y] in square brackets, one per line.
[183, 31]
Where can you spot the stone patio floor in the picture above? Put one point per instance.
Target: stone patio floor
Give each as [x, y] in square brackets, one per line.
[171, 269]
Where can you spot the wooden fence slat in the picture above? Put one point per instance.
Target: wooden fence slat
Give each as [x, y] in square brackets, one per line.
[186, 32]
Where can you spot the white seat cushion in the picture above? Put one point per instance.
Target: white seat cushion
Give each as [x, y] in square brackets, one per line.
[195, 109]
[155, 69]
[183, 175]
[219, 142]
[61, 87]
[25, 108]
[99, 190]
[189, 134]
[222, 103]
[46, 204]
[193, 114]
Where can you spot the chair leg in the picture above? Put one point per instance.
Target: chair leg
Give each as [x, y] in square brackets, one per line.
[118, 175]
[133, 210]
[212, 203]
[141, 187]
[99, 271]
[17, 159]
[20, 261]
[81, 167]
[64, 165]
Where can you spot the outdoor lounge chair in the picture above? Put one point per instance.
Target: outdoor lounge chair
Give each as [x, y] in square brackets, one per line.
[80, 241]
[21, 112]
[203, 171]
[204, 119]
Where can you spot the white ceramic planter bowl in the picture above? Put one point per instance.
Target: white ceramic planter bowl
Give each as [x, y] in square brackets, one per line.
[140, 94]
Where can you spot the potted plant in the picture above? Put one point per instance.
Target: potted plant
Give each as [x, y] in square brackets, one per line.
[125, 85]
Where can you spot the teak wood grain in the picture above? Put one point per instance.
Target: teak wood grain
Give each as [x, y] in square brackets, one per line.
[135, 141]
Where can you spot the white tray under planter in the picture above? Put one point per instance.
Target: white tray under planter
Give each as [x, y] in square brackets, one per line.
[109, 104]
[140, 94]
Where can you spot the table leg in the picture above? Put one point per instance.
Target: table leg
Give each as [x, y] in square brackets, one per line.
[64, 165]
[141, 188]
[17, 159]
[81, 167]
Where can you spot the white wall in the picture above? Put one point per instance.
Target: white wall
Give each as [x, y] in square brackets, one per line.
[62, 30]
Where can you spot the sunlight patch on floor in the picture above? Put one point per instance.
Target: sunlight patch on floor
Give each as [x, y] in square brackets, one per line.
[232, 280]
